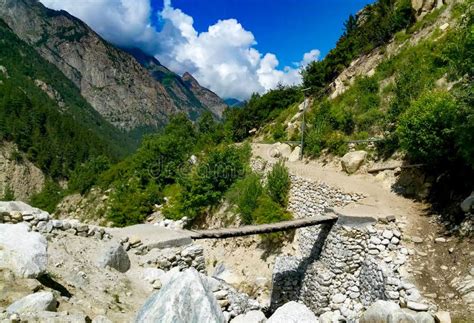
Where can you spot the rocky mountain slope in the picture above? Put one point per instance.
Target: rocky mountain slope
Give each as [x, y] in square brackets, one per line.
[185, 90]
[111, 80]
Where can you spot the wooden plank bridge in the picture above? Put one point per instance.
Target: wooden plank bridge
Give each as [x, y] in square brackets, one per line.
[263, 228]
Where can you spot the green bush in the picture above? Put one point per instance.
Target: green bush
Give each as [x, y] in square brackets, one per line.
[85, 176]
[426, 129]
[131, 202]
[49, 197]
[269, 211]
[278, 183]
[8, 194]
[245, 195]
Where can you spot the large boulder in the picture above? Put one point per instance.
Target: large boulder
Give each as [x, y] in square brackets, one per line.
[379, 312]
[293, 312]
[43, 301]
[187, 297]
[22, 251]
[250, 317]
[353, 160]
[295, 155]
[403, 315]
[114, 256]
[468, 204]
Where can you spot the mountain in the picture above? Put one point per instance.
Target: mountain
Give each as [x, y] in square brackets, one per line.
[110, 79]
[185, 90]
[234, 103]
[44, 114]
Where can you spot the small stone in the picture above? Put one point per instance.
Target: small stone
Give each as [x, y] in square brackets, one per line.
[442, 317]
[416, 239]
[394, 240]
[222, 294]
[444, 267]
[440, 240]
[387, 234]
[339, 298]
[451, 250]
[157, 284]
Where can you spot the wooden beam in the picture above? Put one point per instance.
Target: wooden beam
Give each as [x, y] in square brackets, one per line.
[263, 228]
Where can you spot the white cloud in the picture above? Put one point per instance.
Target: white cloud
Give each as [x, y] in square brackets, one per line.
[223, 58]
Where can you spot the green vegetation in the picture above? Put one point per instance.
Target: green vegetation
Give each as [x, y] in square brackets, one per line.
[257, 204]
[374, 27]
[8, 194]
[260, 109]
[278, 184]
[49, 197]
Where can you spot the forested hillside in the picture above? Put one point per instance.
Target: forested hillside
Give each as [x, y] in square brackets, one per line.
[45, 115]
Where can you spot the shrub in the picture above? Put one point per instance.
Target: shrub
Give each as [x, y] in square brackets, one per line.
[85, 176]
[245, 194]
[426, 129]
[131, 202]
[278, 183]
[49, 197]
[268, 211]
[8, 194]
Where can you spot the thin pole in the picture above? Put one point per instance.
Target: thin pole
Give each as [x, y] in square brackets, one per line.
[303, 122]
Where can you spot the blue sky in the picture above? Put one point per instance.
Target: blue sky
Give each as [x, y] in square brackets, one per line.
[233, 47]
[287, 28]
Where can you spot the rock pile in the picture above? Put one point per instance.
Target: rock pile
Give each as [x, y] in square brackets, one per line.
[190, 256]
[308, 198]
[39, 220]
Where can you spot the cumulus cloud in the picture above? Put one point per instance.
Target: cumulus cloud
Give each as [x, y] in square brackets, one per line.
[223, 58]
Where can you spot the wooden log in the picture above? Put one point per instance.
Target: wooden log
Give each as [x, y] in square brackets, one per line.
[376, 170]
[263, 228]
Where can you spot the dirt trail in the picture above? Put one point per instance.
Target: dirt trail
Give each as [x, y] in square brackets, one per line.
[433, 265]
[379, 201]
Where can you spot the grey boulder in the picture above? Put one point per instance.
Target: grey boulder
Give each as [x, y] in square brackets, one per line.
[21, 251]
[293, 312]
[185, 298]
[114, 256]
[405, 315]
[43, 301]
[379, 312]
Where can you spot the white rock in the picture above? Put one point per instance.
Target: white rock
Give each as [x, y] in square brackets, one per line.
[339, 298]
[293, 312]
[43, 301]
[250, 317]
[185, 298]
[417, 306]
[152, 274]
[295, 154]
[387, 234]
[353, 160]
[23, 252]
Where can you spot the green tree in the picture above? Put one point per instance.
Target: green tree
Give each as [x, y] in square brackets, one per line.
[278, 183]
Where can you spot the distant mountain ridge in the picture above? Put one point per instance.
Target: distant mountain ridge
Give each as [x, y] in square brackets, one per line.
[185, 89]
[125, 92]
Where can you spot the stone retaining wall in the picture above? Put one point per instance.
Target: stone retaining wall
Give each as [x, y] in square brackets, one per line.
[354, 267]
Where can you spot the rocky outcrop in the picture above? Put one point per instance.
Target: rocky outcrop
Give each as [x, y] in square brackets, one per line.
[208, 98]
[111, 80]
[17, 174]
[293, 312]
[42, 301]
[185, 298]
[351, 161]
[384, 312]
[21, 251]
[114, 256]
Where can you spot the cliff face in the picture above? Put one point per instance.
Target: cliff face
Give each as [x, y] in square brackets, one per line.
[184, 90]
[111, 80]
